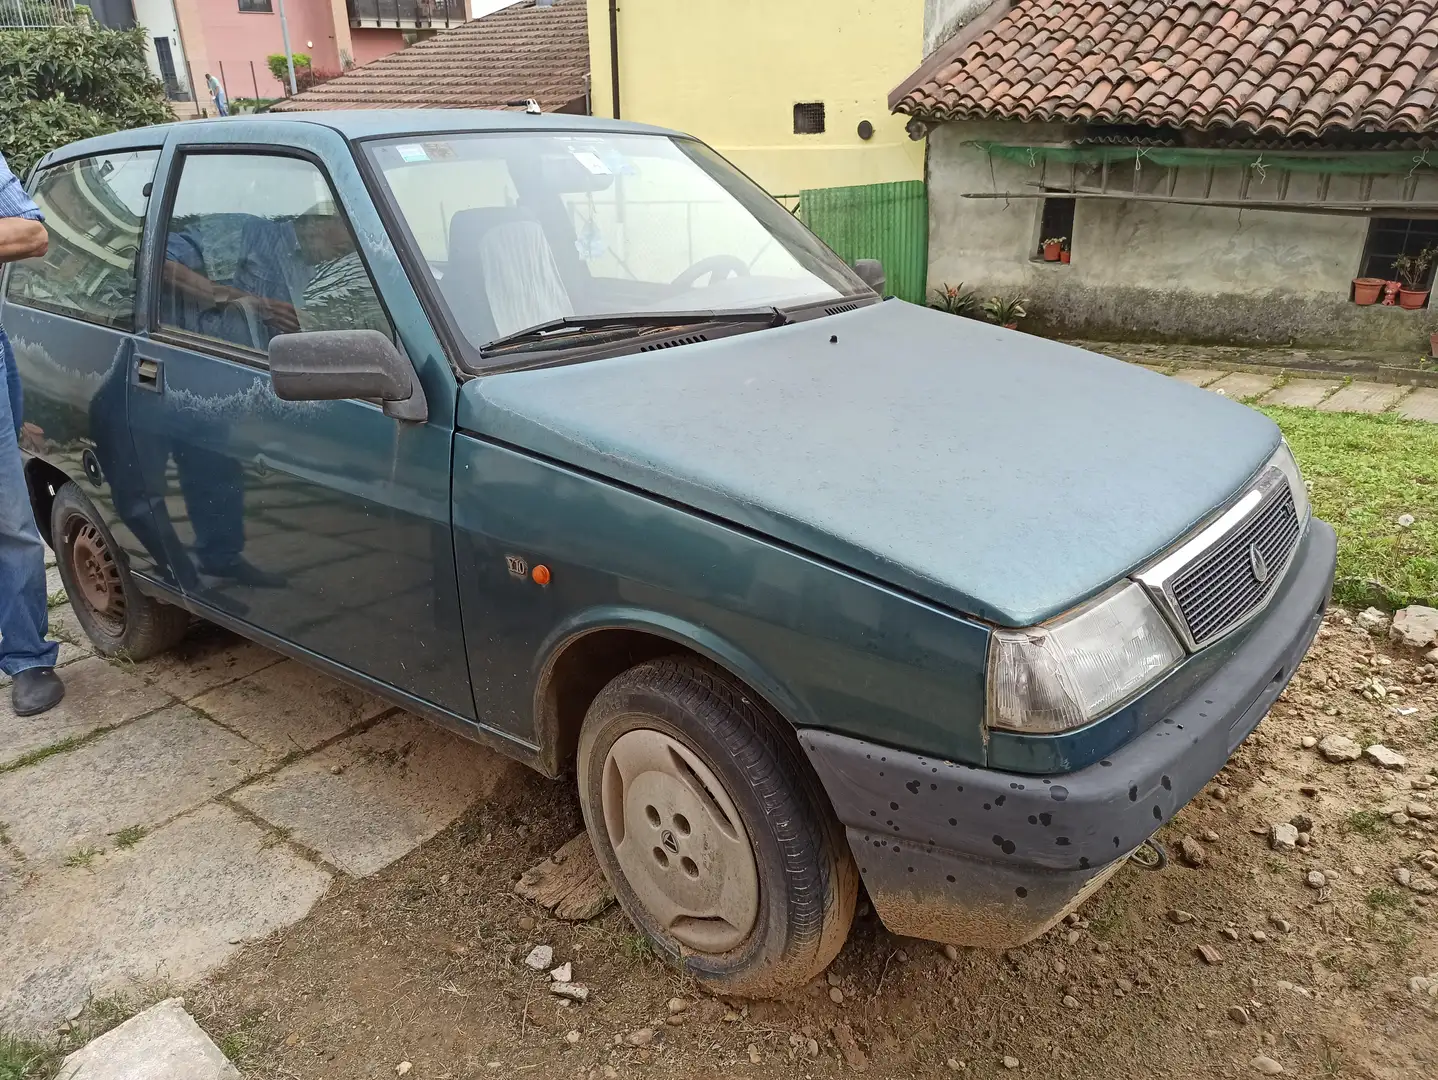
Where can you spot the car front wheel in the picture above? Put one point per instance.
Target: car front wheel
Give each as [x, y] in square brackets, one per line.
[712, 829]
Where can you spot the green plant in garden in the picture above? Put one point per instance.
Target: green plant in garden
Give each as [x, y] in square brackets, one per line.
[1412, 270]
[1003, 312]
[62, 83]
[954, 299]
[280, 69]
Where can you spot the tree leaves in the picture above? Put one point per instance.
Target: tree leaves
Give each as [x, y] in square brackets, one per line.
[63, 83]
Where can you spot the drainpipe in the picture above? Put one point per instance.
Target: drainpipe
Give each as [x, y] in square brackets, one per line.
[614, 55]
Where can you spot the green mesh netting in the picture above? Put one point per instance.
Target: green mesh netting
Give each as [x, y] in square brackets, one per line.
[1358, 162]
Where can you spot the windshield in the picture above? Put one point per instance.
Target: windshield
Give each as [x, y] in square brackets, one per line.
[523, 229]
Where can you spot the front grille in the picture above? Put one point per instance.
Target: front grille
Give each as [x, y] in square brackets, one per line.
[1220, 588]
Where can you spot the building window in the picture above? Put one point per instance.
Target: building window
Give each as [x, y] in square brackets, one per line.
[1056, 221]
[262, 6]
[1389, 238]
[809, 118]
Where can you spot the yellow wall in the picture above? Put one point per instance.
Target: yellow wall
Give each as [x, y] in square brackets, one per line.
[730, 71]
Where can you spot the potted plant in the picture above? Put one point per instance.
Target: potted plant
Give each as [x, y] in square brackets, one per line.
[1366, 290]
[1053, 248]
[1006, 313]
[954, 299]
[1412, 271]
[1064, 252]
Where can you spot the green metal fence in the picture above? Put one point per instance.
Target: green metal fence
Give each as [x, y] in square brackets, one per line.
[888, 222]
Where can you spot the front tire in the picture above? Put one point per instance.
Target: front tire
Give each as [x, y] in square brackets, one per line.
[712, 829]
[117, 617]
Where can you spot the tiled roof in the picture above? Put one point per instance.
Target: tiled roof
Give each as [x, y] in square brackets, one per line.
[1284, 67]
[522, 51]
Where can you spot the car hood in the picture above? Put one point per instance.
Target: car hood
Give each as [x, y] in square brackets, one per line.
[1000, 475]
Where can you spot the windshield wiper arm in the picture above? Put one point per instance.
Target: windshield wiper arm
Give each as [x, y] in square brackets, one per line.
[575, 328]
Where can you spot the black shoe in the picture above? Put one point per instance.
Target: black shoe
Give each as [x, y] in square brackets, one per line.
[36, 690]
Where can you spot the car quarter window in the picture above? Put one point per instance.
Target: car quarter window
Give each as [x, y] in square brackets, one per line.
[256, 245]
[95, 211]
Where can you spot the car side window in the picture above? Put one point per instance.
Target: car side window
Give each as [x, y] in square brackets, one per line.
[255, 246]
[95, 211]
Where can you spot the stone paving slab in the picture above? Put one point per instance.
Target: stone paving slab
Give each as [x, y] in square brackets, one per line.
[173, 907]
[207, 659]
[1421, 404]
[1363, 397]
[1197, 376]
[97, 694]
[161, 1043]
[288, 707]
[143, 774]
[1303, 393]
[1240, 385]
[400, 783]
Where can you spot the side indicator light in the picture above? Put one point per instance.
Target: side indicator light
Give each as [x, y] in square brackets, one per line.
[540, 574]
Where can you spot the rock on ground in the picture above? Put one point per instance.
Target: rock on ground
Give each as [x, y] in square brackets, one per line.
[1339, 748]
[161, 1043]
[1388, 759]
[1415, 626]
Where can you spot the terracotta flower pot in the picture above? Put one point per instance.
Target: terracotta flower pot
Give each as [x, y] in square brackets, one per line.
[1366, 290]
[1063, 256]
[1052, 252]
[1011, 326]
[1412, 299]
[1390, 291]
[1433, 344]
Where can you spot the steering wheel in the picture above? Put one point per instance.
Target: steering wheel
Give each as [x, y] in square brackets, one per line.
[718, 267]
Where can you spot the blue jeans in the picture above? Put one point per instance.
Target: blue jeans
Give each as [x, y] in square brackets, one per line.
[24, 613]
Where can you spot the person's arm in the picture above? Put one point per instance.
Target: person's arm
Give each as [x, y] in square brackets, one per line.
[22, 234]
[22, 238]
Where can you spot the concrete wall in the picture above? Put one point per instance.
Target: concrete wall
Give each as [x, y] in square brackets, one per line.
[372, 44]
[945, 18]
[730, 72]
[1155, 270]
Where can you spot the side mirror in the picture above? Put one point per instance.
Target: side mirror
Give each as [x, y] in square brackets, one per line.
[872, 273]
[331, 365]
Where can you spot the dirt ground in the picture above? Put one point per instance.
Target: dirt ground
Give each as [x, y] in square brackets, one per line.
[419, 970]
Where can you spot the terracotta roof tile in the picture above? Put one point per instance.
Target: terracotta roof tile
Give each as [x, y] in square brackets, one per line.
[1282, 67]
[521, 51]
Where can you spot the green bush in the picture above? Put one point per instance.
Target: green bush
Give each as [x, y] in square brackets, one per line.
[281, 70]
[63, 83]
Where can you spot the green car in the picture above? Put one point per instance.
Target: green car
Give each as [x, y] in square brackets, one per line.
[562, 433]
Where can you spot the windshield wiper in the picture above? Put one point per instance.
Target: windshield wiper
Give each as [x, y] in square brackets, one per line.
[589, 329]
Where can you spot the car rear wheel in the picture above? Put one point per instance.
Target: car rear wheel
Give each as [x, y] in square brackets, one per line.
[712, 829]
[116, 616]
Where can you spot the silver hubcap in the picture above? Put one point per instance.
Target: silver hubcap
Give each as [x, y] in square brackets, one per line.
[678, 839]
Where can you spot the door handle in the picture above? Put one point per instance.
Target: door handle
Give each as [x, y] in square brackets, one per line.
[149, 374]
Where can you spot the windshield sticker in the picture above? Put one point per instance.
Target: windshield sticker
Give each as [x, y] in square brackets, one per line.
[439, 151]
[591, 161]
[412, 152]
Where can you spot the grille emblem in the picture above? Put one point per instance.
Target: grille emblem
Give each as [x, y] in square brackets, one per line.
[1257, 563]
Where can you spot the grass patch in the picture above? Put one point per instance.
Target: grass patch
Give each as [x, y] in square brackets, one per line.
[1364, 822]
[56, 599]
[74, 742]
[1383, 897]
[82, 858]
[21, 1059]
[1365, 471]
[130, 835]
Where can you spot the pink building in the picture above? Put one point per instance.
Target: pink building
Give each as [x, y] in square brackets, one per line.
[232, 39]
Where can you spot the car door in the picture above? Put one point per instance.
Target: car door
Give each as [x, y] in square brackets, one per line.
[70, 316]
[323, 524]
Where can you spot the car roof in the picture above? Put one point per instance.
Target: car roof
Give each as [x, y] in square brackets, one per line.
[361, 124]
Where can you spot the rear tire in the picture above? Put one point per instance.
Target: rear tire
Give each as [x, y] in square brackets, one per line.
[117, 617]
[712, 829]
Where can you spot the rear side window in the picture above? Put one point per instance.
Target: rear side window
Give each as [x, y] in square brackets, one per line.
[95, 212]
[256, 245]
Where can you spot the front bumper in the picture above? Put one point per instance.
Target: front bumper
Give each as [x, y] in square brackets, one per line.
[972, 856]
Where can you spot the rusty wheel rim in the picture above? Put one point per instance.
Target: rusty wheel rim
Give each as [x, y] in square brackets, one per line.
[97, 576]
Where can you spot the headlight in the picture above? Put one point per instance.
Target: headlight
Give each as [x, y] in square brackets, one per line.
[1063, 674]
[1282, 460]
